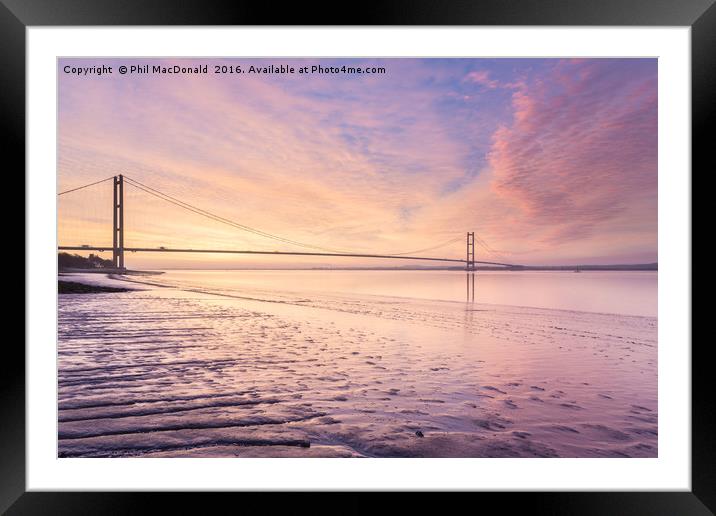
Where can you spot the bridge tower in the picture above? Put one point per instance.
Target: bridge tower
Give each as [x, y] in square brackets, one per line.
[470, 261]
[118, 223]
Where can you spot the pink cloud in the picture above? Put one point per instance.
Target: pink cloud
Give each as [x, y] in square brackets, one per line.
[482, 77]
[581, 149]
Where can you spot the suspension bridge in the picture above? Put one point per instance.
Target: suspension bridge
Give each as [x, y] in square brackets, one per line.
[118, 247]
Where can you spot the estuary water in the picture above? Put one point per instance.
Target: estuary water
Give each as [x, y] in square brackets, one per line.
[360, 364]
[619, 292]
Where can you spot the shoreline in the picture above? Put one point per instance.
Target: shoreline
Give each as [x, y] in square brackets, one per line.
[104, 282]
[107, 270]
[74, 287]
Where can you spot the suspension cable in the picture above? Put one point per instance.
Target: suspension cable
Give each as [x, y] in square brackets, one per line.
[487, 248]
[429, 248]
[85, 186]
[218, 218]
[199, 211]
[212, 216]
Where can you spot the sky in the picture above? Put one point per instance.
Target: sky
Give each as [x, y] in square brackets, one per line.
[548, 161]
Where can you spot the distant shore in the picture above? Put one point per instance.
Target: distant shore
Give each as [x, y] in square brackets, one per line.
[556, 268]
[587, 267]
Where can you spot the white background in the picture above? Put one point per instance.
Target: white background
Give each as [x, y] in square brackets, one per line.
[671, 470]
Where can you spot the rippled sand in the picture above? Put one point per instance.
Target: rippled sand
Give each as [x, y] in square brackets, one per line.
[182, 371]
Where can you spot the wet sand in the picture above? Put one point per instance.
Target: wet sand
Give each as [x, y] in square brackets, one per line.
[181, 370]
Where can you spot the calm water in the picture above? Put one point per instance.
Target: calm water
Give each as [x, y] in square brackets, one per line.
[629, 293]
[360, 364]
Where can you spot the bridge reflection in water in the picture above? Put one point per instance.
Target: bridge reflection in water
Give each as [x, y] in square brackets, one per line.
[470, 282]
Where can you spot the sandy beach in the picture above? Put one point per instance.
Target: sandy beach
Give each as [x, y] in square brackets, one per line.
[175, 369]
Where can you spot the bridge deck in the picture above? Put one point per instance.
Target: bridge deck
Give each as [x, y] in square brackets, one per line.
[279, 253]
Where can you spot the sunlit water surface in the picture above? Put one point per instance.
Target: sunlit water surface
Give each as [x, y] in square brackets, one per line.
[361, 363]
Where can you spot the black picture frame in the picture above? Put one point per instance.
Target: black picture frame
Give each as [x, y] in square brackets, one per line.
[17, 15]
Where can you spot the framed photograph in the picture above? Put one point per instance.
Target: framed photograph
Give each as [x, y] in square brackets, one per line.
[431, 248]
